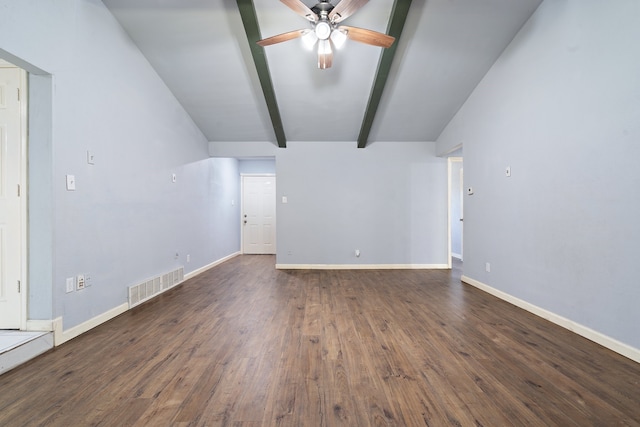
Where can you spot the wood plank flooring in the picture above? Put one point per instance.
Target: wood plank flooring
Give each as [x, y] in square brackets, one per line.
[247, 345]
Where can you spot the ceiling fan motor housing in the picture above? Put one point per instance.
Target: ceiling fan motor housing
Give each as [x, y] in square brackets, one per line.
[323, 27]
[322, 9]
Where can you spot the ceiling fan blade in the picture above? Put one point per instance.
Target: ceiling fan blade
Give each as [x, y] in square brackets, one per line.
[325, 54]
[282, 37]
[344, 9]
[301, 9]
[371, 37]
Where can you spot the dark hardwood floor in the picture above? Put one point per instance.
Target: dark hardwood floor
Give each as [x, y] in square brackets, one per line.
[246, 345]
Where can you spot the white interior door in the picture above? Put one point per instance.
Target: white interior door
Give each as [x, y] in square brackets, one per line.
[259, 214]
[10, 203]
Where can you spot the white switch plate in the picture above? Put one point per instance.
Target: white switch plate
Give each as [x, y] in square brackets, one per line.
[71, 284]
[284, 199]
[71, 182]
[487, 267]
[91, 159]
[507, 171]
[174, 178]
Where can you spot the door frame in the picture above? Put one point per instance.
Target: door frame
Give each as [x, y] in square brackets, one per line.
[251, 175]
[24, 194]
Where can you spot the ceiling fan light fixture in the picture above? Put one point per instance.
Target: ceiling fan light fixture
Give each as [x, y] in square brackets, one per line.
[309, 39]
[323, 30]
[338, 37]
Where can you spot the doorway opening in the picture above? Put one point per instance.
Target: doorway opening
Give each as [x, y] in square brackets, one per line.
[456, 211]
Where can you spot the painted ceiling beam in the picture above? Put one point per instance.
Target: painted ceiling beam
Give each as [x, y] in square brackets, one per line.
[251, 28]
[396, 24]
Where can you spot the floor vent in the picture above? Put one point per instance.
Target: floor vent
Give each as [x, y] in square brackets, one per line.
[150, 288]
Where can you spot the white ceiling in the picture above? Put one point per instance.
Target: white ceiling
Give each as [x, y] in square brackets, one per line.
[199, 48]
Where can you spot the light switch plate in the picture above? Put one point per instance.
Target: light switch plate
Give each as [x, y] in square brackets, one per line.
[71, 182]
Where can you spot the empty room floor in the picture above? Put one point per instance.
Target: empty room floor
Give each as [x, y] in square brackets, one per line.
[244, 344]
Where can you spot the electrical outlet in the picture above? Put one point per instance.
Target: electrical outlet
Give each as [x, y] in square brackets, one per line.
[87, 280]
[487, 267]
[71, 284]
[80, 283]
[188, 258]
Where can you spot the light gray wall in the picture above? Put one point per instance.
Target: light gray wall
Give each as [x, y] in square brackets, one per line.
[388, 200]
[561, 107]
[40, 192]
[127, 220]
[257, 166]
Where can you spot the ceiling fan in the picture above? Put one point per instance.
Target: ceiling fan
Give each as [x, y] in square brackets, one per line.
[325, 30]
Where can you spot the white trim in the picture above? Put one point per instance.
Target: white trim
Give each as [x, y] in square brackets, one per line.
[361, 266]
[40, 325]
[209, 266]
[61, 336]
[24, 282]
[595, 336]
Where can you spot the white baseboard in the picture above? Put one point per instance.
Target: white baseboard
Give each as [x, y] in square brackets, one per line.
[361, 266]
[60, 336]
[201, 270]
[595, 336]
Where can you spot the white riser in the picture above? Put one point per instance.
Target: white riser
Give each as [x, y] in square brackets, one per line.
[25, 350]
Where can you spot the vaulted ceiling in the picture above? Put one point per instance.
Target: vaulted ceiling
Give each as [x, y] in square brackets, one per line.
[203, 52]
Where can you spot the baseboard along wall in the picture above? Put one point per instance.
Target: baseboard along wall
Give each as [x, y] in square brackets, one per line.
[361, 266]
[60, 335]
[584, 331]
